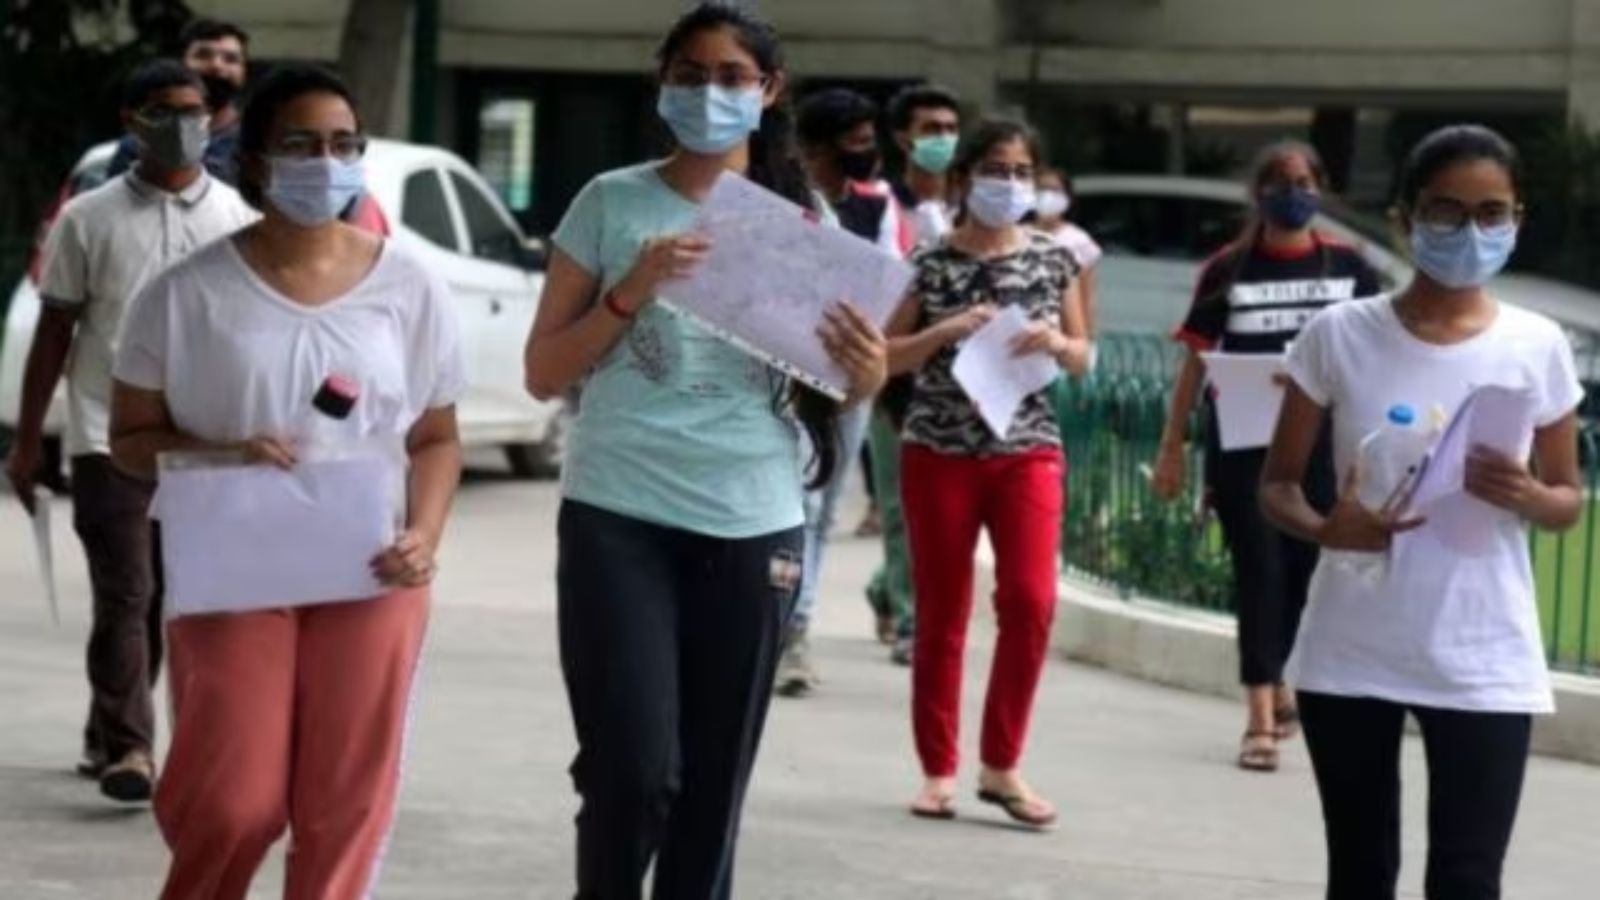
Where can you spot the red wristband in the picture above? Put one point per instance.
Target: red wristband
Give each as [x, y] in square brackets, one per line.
[616, 308]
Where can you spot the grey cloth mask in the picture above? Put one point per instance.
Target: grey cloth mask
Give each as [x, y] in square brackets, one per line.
[178, 143]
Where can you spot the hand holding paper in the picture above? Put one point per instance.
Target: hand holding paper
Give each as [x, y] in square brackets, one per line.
[994, 377]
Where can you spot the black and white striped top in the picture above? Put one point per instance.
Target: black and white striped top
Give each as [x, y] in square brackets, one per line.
[1257, 301]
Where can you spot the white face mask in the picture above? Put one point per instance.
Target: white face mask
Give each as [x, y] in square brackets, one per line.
[1000, 202]
[1053, 204]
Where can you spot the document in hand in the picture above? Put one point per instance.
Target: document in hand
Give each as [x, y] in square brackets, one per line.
[1500, 418]
[772, 274]
[994, 377]
[1248, 398]
[46, 557]
[237, 538]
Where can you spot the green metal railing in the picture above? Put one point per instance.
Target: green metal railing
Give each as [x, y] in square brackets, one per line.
[1119, 534]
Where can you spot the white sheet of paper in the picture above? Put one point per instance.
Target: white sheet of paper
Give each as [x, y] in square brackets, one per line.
[995, 378]
[1497, 417]
[45, 555]
[772, 274]
[1247, 397]
[239, 538]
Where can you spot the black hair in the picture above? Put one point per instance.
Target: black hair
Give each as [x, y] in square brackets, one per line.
[904, 106]
[212, 30]
[286, 84]
[775, 166]
[991, 133]
[1450, 146]
[826, 116]
[157, 75]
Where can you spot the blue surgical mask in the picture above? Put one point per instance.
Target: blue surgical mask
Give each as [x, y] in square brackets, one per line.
[710, 119]
[1290, 208]
[934, 154]
[1465, 258]
[999, 202]
[314, 191]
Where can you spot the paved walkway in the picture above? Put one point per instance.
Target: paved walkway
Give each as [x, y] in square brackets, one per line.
[1152, 807]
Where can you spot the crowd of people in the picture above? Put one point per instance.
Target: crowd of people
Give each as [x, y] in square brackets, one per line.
[198, 300]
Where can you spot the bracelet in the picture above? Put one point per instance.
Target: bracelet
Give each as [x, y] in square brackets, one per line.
[615, 307]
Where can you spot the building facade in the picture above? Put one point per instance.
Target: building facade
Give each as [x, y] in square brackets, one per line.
[541, 93]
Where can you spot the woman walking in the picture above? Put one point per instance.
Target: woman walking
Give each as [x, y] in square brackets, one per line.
[680, 527]
[1055, 201]
[960, 478]
[294, 718]
[1451, 634]
[1254, 297]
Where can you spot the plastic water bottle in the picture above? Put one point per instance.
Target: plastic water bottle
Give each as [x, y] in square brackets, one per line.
[1389, 460]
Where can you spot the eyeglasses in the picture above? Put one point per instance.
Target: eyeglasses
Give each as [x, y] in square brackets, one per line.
[343, 147]
[733, 77]
[1448, 216]
[162, 116]
[1019, 172]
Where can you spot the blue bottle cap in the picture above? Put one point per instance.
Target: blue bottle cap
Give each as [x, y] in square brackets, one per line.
[1402, 414]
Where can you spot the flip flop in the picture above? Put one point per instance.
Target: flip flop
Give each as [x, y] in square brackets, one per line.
[1016, 806]
[944, 812]
[1259, 751]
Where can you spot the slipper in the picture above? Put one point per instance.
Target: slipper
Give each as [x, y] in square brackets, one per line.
[1016, 806]
[1259, 751]
[944, 812]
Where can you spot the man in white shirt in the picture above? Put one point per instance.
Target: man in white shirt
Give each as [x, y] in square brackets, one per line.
[102, 250]
[927, 127]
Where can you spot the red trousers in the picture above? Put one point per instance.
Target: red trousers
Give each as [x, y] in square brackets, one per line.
[291, 720]
[948, 501]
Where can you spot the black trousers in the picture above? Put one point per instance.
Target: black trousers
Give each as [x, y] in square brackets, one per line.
[111, 516]
[1271, 570]
[669, 646]
[1476, 763]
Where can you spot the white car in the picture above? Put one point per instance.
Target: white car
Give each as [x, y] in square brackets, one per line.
[441, 210]
[1157, 231]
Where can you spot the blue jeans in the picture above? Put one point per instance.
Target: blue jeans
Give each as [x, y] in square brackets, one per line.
[822, 507]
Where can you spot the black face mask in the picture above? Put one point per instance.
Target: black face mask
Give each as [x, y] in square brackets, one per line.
[220, 92]
[858, 165]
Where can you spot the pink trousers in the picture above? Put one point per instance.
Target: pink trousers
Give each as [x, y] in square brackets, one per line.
[287, 720]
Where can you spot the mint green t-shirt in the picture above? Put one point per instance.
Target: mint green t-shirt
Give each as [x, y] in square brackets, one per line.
[675, 426]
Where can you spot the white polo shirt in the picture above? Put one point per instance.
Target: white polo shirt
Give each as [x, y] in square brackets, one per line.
[104, 248]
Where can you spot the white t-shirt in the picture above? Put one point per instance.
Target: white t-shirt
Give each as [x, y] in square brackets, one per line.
[1084, 249]
[105, 246]
[237, 360]
[1444, 629]
[931, 222]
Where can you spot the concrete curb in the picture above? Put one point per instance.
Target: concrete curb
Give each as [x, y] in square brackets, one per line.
[1194, 650]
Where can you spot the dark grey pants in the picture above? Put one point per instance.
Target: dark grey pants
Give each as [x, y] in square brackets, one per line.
[669, 645]
[111, 514]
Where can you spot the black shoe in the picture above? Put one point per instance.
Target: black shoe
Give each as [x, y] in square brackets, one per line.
[131, 780]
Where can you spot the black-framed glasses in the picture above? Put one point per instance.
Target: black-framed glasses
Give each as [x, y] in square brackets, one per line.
[732, 76]
[307, 145]
[1018, 172]
[1448, 216]
[162, 116]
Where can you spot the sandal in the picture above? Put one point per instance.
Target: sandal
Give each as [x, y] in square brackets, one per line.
[944, 811]
[1023, 808]
[1259, 751]
[1287, 720]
